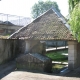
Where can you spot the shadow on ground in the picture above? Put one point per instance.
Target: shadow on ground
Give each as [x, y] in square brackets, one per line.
[11, 67]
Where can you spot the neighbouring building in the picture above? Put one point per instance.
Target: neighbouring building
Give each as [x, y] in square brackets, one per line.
[11, 23]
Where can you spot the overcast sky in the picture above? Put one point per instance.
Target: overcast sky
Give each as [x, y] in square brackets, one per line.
[23, 7]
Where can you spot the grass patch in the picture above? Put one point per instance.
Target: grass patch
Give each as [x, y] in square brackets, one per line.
[57, 68]
[57, 55]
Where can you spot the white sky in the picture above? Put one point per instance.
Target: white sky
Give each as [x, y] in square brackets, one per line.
[23, 7]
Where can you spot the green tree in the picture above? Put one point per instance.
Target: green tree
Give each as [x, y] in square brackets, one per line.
[75, 22]
[41, 7]
[72, 4]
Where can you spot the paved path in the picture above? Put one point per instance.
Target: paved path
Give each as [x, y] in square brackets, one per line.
[22, 75]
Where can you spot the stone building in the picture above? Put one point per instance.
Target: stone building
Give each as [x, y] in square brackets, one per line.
[50, 26]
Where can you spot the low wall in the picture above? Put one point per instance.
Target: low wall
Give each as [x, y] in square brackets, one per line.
[9, 49]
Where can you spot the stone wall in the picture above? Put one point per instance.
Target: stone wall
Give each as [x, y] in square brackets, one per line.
[34, 46]
[9, 49]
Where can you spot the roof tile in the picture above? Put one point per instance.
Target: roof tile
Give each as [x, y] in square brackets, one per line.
[49, 26]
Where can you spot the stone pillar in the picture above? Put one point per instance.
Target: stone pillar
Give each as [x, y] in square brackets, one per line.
[72, 55]
[78, 54]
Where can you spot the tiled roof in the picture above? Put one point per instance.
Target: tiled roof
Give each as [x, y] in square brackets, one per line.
[38, 56]
[49, 26]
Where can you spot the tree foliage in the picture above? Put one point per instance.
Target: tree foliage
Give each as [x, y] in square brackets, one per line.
[72, 4]
[41, 7]
[75, 22]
